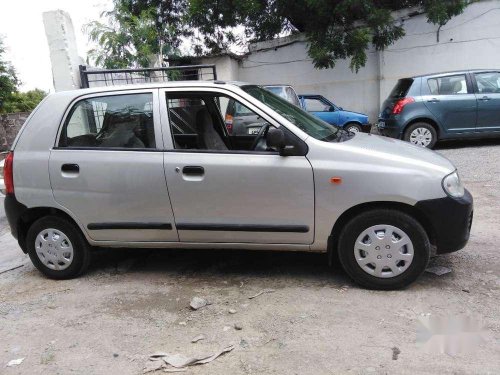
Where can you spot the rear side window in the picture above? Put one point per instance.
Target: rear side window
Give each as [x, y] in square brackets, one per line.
[401, 88]
[488, 82]
[449, 85]
[119, 121]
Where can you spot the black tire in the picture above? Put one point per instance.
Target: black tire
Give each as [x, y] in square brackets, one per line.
[352, 125]
[81, 249]
[424, 125]
[404, 222]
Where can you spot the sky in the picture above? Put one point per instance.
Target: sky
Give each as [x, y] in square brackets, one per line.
[21, 27]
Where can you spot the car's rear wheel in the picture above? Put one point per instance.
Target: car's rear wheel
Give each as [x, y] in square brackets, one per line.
[421, 134]
[355, 128]
[57, 248]
[384, 249]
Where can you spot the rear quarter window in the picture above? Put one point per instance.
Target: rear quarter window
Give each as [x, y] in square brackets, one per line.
[401, 89]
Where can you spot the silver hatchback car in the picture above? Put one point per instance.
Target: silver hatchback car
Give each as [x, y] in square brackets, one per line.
[154, 166]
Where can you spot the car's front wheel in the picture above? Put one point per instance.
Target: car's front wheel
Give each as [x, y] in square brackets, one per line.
[384, 249]
[57, 248]
[354, 128]
[421, 134]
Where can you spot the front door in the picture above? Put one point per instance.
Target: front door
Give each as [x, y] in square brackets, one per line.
[227, 192]
[488, 101]
[107, 168]
[451, 100]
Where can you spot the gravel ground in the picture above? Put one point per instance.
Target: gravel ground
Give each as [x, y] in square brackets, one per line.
[135, 302]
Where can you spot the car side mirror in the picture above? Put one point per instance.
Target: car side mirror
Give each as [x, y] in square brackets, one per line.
[275, 138]
[331, 109]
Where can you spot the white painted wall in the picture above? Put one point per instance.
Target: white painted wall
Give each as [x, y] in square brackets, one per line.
[470, 40]
[63, 53]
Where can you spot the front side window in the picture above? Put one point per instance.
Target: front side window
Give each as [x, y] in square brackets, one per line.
[488, 82]
[214, 122]
[119, 121]
[309, 124]
[449, 85]
[316, 105]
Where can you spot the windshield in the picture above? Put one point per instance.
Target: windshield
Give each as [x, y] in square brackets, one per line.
[309, 124]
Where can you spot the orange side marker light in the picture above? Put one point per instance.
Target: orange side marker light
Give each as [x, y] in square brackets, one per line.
[336, 180]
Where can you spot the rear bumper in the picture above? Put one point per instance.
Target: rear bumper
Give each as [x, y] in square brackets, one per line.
[389, 127]
[451, 220]
[13, 210]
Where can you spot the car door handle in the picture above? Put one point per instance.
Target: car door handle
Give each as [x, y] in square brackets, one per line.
[484, 98]
[191, 170]
[433, 100]
[70, 168]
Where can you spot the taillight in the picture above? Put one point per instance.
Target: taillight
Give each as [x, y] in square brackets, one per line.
[8, 173]
[400, 104]
[229, 123]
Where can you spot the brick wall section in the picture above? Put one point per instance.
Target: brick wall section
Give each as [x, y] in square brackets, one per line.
[9, 127]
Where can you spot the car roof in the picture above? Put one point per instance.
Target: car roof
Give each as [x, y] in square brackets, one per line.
[136, 86]
[453, 72]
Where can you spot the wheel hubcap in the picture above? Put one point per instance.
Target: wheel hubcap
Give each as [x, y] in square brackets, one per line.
[421, 137]
[353, 129]
[383, 251]
[54, 249]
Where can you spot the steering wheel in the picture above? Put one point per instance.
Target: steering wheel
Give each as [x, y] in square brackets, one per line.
[260, 139]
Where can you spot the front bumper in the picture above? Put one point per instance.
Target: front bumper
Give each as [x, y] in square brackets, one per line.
[451, 221]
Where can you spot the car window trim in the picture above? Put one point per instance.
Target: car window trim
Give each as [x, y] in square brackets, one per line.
[474, 80]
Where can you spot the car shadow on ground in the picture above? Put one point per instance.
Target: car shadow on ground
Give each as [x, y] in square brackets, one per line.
[464, 143]
[217, 264]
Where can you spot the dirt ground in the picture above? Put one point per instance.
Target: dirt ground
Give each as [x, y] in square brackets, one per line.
[135, 302]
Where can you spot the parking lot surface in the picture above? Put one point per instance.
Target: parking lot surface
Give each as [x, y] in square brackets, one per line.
[313, 320]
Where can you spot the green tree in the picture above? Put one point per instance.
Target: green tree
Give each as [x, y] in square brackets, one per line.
[8, 79]
[138, 33]
[335, 29]
[23, 101]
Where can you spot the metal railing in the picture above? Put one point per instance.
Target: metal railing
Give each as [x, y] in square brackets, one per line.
[112, 77]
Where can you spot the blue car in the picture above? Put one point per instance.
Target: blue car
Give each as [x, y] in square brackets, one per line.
[321, 107]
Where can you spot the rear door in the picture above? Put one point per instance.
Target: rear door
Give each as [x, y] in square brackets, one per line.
[487, 87]
[451, 100]
[107, 168]
[222, 193]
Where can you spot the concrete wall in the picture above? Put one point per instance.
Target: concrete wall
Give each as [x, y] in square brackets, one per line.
[63, 51]
[470, 40]
[9, 127]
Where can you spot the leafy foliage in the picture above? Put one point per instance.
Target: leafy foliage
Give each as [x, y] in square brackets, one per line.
[138, 33]
[8, 79]
[335, 29]
[23, 101]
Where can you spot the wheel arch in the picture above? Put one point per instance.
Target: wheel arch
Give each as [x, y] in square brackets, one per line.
[363, 207]
[33, 214]
[427, 120]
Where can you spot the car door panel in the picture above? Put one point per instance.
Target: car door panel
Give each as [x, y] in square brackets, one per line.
[488, 101]
[237, 196]
[454, 108]
[244, 197]
[116, 194]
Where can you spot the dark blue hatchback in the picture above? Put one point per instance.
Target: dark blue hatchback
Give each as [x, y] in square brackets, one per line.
[425, 109]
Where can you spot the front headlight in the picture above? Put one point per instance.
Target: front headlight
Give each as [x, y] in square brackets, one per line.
[453, 186]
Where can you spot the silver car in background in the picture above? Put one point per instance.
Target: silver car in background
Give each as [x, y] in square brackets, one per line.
[154, 166]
